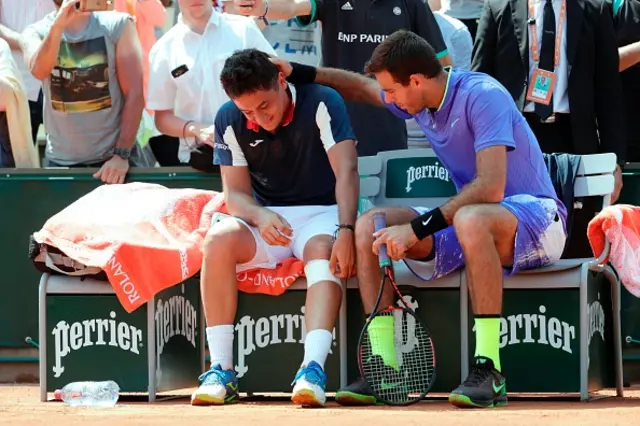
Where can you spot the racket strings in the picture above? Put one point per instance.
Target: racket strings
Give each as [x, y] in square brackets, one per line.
[397, 357]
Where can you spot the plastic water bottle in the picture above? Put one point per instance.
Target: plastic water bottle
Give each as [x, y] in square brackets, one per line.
[92, 394]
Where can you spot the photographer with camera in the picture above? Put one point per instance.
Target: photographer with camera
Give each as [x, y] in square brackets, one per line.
[90, 64]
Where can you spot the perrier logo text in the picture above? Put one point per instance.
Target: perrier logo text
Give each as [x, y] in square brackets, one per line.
[93, 332]
[434, 171]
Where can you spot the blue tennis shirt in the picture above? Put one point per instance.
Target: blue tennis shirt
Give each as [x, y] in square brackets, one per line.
[289, 167]
[476, 113]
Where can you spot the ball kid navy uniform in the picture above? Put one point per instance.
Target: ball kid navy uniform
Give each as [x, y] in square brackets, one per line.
[290, 169]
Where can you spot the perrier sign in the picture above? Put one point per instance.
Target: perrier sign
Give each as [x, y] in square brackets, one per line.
[418, 177]
[91, 337]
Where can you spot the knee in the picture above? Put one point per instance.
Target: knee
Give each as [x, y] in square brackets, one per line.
[221, 239]
[318, 247]
[471, 224]
[364, 230]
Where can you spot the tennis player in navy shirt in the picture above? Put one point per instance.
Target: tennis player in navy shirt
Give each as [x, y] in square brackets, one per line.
[289, 172]
[505, 217]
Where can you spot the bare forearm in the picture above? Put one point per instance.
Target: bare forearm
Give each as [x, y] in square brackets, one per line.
[629, 55]
[287, 9]
[477, 192]
[168, 124]
[131, 118]
[44, 58]
[352, 86]
[347, 194]
[243, 206]
[11, 37]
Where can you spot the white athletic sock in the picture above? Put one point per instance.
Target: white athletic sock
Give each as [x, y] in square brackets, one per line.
[220, 340]
[316, 346]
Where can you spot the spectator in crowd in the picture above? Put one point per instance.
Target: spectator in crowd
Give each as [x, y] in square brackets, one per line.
[16, 145]
[459, 44]
[350, 32]
[184, 81]
[467, 11]
[90, 64]
[289, 197]
[559, 61]
[626, 15]
[148, 15]
[294, 43]
[15, 16]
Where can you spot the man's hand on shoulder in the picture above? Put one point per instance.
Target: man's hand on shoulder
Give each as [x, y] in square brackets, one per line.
[113, 171]
[283, 65]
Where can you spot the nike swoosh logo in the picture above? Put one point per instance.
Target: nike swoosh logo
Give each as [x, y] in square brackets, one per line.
[454, 122]
[498, 389]
[426, 222]
[385, 386]
[256, 143]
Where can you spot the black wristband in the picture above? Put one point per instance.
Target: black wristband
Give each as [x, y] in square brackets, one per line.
[302, 74]
[428, 224]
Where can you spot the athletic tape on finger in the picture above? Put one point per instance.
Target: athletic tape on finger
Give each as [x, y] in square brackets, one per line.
[318, 270]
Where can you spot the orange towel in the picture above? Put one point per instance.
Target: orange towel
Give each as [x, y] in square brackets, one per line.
[147, 237]
[620, 225]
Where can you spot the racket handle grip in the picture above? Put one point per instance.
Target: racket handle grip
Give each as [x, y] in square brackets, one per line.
[380, 222]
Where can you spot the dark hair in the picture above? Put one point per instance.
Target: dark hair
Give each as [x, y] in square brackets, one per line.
[402, 54]
[247, 71]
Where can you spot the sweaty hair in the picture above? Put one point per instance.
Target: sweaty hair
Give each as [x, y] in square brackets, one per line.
[402, 54]
[248, 71]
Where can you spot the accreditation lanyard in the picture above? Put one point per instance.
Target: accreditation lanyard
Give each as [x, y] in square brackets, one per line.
[533, 32]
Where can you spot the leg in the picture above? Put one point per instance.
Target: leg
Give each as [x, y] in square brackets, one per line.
[227, 244]
[324, 295]
[487, 235]
[369, 277]
[367, 263]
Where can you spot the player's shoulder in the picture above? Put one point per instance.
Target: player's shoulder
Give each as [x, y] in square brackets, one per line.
[229, 115]
[319, 93]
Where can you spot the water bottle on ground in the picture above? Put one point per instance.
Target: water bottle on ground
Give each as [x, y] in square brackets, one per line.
[93, 394]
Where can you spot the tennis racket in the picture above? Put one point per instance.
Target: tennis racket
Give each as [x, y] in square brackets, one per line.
[395, 352]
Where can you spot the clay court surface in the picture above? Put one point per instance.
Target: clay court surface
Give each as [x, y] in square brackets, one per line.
[20, 405]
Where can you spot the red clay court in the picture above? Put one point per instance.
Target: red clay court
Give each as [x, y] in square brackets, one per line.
[20, 405]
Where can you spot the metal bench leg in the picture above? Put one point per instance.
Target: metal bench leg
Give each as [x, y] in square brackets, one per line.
[617, 329]
[151, 349]
[42, 333]
[584, 335]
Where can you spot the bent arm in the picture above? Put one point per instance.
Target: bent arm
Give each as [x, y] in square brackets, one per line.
[238, 194]
[352, 86]
[40, 55]
[278, 9]
[129, 71]
[629, 55]
[11, 37]
[487, 187]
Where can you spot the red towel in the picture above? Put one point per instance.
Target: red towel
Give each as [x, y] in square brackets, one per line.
[620, 225]
[147, 237]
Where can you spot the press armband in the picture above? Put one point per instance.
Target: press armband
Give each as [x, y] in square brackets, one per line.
[302, 74]
[428, 224]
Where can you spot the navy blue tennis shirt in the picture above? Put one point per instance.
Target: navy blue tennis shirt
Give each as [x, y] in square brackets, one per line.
[289, 167]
